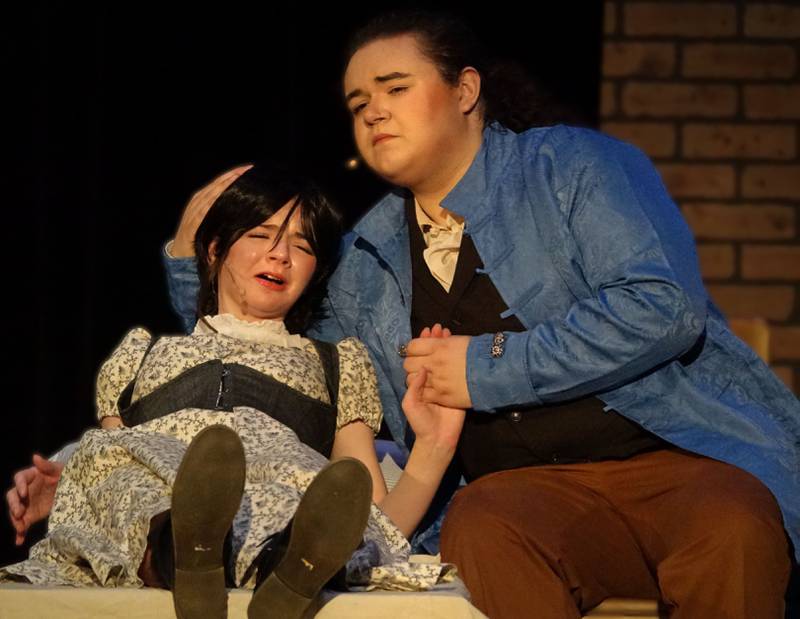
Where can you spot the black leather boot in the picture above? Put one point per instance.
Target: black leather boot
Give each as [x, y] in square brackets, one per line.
[327, 527]
[205, 498]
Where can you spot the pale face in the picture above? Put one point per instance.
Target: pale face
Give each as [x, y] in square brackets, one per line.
[408, 123]
[261, 278]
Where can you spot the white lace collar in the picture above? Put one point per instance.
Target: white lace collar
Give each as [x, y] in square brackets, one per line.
[262, 331]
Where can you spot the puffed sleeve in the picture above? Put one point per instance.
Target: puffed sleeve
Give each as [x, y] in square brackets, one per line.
[119, 370]
[358, 387]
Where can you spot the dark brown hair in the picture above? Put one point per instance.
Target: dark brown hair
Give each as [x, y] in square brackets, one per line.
[249, 201]
[509, 95]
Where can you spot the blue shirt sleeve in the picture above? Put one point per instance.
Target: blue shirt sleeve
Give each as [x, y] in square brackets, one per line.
[183, 286]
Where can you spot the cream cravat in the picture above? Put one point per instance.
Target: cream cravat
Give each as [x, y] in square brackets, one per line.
[443, 243]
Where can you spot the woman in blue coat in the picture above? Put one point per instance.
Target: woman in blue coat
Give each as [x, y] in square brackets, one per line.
[621, 441]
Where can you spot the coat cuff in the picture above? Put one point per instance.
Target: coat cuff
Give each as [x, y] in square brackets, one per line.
[499, 382]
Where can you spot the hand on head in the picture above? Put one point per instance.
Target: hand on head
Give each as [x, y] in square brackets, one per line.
[196, 209]
[31, 498]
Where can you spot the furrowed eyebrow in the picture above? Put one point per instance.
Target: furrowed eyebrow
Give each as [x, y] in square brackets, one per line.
[380, 79]
[274, 227]
[391, 76]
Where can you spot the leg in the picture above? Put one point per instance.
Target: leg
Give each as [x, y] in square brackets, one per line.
[157, 567]
[713, 532]
[158, 564]
[148, 573]
[539, 542]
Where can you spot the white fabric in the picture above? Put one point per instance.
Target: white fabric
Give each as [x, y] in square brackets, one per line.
[24, 601]
[443, 243]
[261, 331]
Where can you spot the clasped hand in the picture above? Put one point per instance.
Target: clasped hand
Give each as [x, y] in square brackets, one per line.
[444, 358]
[432, 417]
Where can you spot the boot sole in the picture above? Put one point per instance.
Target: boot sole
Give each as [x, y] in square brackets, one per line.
[205, 498]
[327, 527]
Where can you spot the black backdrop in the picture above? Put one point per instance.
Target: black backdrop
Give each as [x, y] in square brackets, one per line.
[113, 116]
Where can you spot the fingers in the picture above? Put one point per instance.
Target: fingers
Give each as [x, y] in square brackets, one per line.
[417, 380]
[414, 364]
[440, 331]
[436, 331]
[198, 206]
[223, 181]
[416, 383]
[429, 394]
[239, 170]
[420, 347]
[19, 531]
[233, 173]
[44, 465]
[22, 479]
[16, 512]
[49, 468]
[15, 506]
[19, 527]
[411, 377]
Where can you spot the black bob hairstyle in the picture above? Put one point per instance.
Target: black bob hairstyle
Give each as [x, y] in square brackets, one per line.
[249, 201]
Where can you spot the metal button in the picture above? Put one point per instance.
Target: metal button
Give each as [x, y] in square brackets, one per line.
[554, 458]
[516, 416]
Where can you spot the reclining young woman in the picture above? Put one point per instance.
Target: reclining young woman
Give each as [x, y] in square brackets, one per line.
[261, 409]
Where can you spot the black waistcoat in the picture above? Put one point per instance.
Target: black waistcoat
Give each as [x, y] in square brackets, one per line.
[576, 431]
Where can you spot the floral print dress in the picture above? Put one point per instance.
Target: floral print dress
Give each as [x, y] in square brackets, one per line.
[117, 480]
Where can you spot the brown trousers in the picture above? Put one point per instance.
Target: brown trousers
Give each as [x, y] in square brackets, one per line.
[554, 541]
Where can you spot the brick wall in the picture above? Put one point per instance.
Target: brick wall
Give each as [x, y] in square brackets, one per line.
[711, 91]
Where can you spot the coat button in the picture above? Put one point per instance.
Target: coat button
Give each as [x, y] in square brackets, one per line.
[516, 416]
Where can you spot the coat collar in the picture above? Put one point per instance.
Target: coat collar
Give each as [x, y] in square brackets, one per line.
[385, 222]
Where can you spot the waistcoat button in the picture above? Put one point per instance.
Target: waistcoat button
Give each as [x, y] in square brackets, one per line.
[516, 416]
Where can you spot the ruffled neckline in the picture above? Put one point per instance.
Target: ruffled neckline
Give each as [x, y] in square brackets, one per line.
[261, 331]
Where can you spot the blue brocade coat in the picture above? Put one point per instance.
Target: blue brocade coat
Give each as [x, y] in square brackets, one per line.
[583, 243]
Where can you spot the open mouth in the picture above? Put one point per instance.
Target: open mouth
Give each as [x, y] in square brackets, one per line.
[272, 279]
